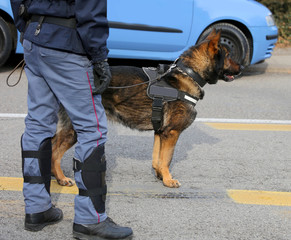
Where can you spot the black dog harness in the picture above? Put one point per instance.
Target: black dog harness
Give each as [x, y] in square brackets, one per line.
[160, 91]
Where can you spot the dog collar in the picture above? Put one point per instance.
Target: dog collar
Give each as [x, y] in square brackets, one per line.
[189, 71]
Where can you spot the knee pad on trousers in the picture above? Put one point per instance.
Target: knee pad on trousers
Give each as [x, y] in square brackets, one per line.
[44, 156]
[93, 176]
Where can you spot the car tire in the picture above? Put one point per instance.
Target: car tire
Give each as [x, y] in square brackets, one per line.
[233, 39]
[6, 42]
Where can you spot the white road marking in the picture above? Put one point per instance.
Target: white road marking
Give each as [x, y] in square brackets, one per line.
[251, 121]
[209, 120]
[12, 115]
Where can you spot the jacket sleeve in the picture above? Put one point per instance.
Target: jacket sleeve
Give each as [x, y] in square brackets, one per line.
[18, 20]
[92, 27]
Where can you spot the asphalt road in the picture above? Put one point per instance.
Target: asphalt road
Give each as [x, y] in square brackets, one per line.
[235, 177]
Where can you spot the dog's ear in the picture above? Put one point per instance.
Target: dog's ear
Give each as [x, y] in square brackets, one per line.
[218, 34]
[211, 35]
[214, 41]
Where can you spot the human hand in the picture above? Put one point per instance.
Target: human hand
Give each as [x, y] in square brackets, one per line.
[102, 76]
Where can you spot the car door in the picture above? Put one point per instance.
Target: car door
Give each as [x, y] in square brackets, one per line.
[150, 26]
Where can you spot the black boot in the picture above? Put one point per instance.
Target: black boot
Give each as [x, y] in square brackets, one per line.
[37, 221]
[104, 230]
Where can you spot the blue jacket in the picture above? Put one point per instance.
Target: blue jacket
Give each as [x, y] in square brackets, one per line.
[88, 38]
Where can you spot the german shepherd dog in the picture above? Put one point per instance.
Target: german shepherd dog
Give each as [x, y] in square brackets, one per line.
[133, 108]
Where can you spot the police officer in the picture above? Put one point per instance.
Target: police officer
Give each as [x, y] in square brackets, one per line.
[65, 52]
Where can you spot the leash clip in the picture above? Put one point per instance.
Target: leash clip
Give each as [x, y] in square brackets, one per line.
[37, 31]
[40, 21]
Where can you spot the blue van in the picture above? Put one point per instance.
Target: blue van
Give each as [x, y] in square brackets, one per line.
[163, 29]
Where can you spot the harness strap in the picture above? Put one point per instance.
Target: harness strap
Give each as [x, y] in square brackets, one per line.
[157, 113]
[183, 96]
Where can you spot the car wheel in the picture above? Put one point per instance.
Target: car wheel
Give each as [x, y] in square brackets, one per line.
[5, 42]
[234, 40]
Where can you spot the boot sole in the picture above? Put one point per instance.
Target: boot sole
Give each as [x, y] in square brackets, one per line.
[82, 236]
[37, 227]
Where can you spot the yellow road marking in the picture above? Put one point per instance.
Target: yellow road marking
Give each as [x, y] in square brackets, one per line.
[15, 184]
[250, 127]
[239, 196]
[260, 197]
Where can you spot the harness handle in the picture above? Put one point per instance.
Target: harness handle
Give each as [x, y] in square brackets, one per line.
[149, 81]
[134, 85]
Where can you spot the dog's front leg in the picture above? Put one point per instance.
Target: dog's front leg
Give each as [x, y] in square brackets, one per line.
[156, 155]
[167, 145]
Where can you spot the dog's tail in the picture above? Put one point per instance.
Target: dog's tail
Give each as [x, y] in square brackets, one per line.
[64, 120]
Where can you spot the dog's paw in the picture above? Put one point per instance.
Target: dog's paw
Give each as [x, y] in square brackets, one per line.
[68, 182]
[172, 183]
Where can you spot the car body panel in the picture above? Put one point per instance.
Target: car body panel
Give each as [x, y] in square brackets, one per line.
[163, 29]
[151, 14]
[5, 6]
[262, 48]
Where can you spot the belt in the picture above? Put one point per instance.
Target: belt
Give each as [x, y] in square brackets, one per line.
[64, 22]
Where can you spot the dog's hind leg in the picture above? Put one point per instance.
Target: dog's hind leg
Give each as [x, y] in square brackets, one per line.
[61, 142]
[167, 145]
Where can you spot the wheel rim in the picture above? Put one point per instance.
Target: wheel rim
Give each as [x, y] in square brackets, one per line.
[234, 47]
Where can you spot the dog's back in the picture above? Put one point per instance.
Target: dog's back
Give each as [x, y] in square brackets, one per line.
[129, 105]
